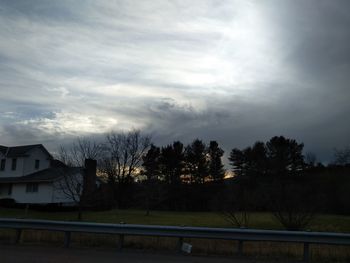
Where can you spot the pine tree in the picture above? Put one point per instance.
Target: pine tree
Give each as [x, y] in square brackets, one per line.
[216, 168]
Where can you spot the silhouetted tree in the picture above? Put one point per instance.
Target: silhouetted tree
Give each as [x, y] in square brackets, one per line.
[310, 160]
[81, 149]
[237, 161]
[122, 160]
[172, 162]
[285, 156]
[197, 161]
[290, 198]
[251, 161]
[151, 170]
[216, 168]
[70, 185]
[75, 183]
[257, 164]
[342, 156]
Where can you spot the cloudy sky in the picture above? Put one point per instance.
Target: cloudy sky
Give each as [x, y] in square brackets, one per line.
[233, 71]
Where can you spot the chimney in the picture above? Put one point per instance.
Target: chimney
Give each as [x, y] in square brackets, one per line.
[90, 176]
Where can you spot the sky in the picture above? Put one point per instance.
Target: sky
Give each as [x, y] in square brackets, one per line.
[231, 71]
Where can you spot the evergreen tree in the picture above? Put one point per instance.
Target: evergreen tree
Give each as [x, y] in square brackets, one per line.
[237, 161]
[172, 162]
[285, 156]
[197, 161]
[216, 168]
[258, 164]
[151, 169]
[151, 163]
[279, 156]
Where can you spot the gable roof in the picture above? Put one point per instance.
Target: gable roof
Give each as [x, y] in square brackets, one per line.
[3, 149]
[20, 151]
[46, 175]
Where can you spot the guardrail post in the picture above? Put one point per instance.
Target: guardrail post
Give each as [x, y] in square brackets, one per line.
[240, 248]
[306, 252]
[121, 241]
[66, 239]
[18, 235]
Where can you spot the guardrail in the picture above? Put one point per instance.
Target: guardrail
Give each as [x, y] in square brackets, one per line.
[122, 230]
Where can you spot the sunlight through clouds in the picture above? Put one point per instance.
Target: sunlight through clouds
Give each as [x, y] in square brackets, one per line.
[71, 123]
[226, 70]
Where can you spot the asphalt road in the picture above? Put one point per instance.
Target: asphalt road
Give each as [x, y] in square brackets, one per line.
[40, 254]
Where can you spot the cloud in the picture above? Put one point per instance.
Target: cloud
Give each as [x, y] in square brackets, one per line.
[234, 71]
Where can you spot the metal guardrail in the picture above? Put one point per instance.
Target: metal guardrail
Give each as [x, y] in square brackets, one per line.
[122, 230]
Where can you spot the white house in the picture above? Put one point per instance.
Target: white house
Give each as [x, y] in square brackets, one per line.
[29, 174]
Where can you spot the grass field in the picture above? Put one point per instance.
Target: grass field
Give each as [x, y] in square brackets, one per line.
[329, 223]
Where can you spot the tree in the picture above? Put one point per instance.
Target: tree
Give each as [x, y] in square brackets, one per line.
[279, 159]
[293, 205]
[197, 161]
[259, 161]
[172, 162]
[310, 159]
[342, 156]
[73, 182]
[237, 161]
[285, 156]
[216, 168]
[251, 161]
[151, 170]
[70, 185]
[76, 184]
[81, 149]
[122, 160]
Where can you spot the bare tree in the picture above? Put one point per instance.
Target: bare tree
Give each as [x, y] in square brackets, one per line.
[80, 150]
[73, 183]
[78, 185]
[122, 159]
[310, 159]
[69, 187]
[342, 156]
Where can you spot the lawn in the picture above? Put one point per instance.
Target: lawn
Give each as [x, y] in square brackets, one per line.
[329, 223]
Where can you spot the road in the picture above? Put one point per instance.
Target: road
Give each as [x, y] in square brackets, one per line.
[40, 254]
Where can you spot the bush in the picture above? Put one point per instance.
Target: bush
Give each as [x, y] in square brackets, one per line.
[294, 205]
[7, 202]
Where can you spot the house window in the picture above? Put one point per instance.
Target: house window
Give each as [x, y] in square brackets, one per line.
[2, 165]
[32, 188]
[9, 190]
[14, 164]
[37, 164]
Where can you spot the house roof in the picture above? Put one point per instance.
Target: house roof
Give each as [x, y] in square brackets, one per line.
[46, 175]
[3, 149]
[19, 151]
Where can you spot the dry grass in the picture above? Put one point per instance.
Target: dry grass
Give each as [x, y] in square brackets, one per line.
[257, 250]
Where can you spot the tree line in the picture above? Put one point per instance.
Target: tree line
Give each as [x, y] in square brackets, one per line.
[267, 176]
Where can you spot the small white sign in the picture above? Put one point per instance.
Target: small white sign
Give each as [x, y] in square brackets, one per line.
[186, 247]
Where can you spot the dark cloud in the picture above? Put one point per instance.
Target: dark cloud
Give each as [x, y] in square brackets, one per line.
[230, 71]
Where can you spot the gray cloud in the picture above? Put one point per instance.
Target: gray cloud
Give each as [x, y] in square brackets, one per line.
[234, 71]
